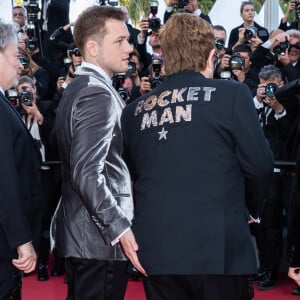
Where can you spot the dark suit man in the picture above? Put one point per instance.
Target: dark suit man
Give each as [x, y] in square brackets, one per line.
[198, 160]
[19, 173]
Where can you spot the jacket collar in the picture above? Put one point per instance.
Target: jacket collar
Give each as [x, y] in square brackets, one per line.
[88, 68]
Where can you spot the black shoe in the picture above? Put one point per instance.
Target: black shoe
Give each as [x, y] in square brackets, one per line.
[296, 291]
[269, 281]
[42, 272]
[257, 277]
[59, 267]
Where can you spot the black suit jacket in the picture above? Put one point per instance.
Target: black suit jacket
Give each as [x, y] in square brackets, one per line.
[198, 160]
[20, 188]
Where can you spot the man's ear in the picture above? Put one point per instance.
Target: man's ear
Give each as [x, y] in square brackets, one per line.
[91, 48]
[208, 72]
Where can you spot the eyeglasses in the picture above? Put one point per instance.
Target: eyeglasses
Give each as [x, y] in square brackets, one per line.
[18, 14]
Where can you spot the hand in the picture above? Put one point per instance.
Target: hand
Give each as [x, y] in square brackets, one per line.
[294, 273]
[144, 26]
[240, 75]
[34, 112]
[260, 92]
[60, 81]
[130, 248]
[26, 261]
[241, 36]
[145, 86]
[225, 61]
[273, 103]
[284, 59]
[255, 41]
[193, 5]
[292, 6]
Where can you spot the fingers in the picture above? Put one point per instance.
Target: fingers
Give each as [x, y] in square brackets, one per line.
[132, 256]
[25, 264]
[130, 248]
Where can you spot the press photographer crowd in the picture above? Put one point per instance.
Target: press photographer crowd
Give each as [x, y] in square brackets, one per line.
[50, 56]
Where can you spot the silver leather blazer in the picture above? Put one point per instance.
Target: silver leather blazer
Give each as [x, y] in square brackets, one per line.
[96, 205]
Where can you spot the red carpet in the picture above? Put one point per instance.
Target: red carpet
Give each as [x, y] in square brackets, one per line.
[55, 289]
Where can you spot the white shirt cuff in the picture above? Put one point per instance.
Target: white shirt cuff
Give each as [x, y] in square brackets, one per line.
[117, 239]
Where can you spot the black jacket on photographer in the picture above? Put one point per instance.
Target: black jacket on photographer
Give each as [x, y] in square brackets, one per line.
[263, 56]
[262, 33]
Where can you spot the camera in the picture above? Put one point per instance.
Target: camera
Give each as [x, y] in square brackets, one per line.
[131, 67]
[220, 44]
[32, 9]
[297, 46]
[281, 48]
[74, 52]
[182, 3]
[25, 97]
[118, 81]
[271, 89]
[154, 22]
[12, 95]
[24, 61]
[236, 62]
[157, 79]
[31, 42]
[250, 33]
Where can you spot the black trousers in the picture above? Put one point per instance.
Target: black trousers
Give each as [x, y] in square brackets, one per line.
[10, 281]
[196, 287]
[269, 233]
[96, 280]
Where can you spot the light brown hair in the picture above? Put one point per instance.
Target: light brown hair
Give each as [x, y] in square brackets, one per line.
[186, 41]
[91, 24]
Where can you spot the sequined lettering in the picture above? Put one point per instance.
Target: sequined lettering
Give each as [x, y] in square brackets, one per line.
[177, 95]
[161, 101]
[167, 116]
[149, 120]
[207, 93]
[150, 102]
[193, 93]
[139, 107]
[185, 114]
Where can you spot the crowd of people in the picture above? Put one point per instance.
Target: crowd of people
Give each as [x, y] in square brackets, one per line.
[164, 165]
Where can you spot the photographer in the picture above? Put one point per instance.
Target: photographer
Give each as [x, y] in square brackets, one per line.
[156, 76]
[71, 62]
[190, 6]
[276, 121]
[154, 43]
[251, 28]
[284, 21]
[39, 119]
[19, 17]
[238, 66]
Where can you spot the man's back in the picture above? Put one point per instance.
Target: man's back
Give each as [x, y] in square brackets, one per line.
[189, 148]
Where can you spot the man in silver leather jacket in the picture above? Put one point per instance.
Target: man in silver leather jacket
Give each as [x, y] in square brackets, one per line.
[96, 207]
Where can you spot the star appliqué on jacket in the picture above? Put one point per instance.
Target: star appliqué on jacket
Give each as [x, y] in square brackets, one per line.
[162, 134]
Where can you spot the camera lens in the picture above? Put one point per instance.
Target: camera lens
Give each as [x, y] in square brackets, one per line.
[271, 89]
[249, 33]
[220, 44]
[236, 62]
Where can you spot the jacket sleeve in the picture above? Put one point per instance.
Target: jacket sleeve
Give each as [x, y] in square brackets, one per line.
[253, 151]
[93, 123]
[13, 222]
